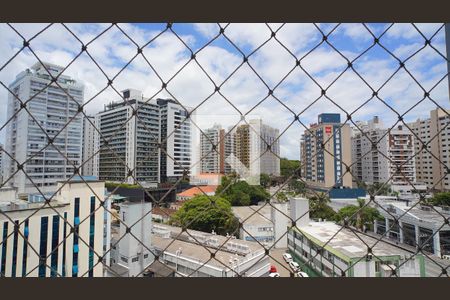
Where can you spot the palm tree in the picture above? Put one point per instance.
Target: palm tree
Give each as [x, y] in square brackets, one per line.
[359, 215]
[319, 208]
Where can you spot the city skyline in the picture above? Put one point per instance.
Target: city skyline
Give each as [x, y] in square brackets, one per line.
[330, 143]
[244, 89]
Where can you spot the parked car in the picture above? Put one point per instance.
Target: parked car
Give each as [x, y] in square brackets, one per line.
[301, 274]
[287, 257]
[294, 266]
[274, 275]
[273, 269]
[446, 257]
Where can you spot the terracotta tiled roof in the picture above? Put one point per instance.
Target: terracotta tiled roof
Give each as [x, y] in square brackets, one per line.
[198, 190]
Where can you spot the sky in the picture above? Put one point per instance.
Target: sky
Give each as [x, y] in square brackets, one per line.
[244, 87]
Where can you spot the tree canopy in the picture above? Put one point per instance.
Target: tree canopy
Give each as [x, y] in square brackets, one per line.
[359, 216]
[206, 214]
[240, 193]
[319, 208]
[377, 188]
[441, 199]
[289, 167]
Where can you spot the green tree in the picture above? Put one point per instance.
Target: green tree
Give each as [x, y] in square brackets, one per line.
[377, 189]
[237, 192]
[319, 207]
[239, 198]
[441, 199]
[359, 216]
[281, 197]
[289, 167]
[206, 214]
[296, 186]
[264, 180]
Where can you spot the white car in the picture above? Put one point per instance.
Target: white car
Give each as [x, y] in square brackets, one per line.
[287, 257]
[294, 266]
[274, 275]
[446, 257]
[301, 274]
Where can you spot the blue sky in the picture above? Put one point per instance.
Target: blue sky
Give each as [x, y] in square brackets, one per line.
[244, 89]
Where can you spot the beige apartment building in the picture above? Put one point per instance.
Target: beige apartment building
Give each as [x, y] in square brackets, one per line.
[325, 169]
[431, 165]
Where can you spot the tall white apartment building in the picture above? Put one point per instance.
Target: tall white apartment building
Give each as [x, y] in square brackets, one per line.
[51, 109]
[89, 157]
[44, 245]
[131, 133]
[431, 165]
[176, 139]
[212, 150]
[394, 149]
[257, 146]
[209, 149]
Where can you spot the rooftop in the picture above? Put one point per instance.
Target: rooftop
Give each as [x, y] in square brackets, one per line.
[198, 190]
[434, 217]
[347, 244]
[259, 214]
[22, 205]
[207, 243]
[163, 211]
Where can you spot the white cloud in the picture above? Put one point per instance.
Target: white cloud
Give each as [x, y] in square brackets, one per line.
[244, 89]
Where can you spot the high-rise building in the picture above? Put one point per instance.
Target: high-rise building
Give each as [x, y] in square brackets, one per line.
[212, 150]
[324, 168]
[90, 158]
[132, 131]
[44, 245]
[257, 144]
[432, 161]
[391, 160]
[45, 159]
[176, 139]
[229, 145]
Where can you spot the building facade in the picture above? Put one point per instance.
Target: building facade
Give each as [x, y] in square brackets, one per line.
[189, 254]
[131, 251]
[418, 226]
[44, 246]
[432, 161]
[257, 146]
[51, 108]
[132, 130]
[329, 250]
[90, 138]
[212, 150]
[176, 139]
[321, 168]
[390, 161]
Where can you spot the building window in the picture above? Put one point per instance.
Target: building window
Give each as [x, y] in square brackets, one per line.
[91, 237]
[43, 247]
[4, 247]
[14, 258]
[25, 249]
[76, 221]
[55, 242]
[64, 246]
